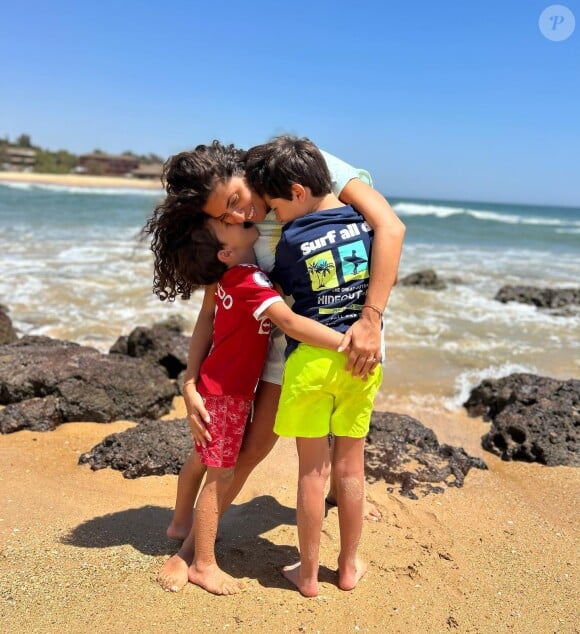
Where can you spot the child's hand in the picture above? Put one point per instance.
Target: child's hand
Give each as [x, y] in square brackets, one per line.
[197, 415]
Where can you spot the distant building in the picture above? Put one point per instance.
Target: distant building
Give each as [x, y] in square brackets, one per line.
[18, 159]
[108, 164]
[152, 171]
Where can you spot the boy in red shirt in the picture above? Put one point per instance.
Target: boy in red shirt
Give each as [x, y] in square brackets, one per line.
[246, 304]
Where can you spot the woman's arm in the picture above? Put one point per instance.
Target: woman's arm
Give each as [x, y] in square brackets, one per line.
[364, 336]
[199, 347]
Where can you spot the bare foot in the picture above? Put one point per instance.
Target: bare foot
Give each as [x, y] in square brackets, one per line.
[215, 580]
[179, 531]
[173, 575]
[349, 576]
[307, 587]
[370, 511]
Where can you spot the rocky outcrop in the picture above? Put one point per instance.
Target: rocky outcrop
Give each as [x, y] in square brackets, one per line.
[160, 345]
[534, 418]
[399, 450]
[427, 279]
[7, 332]
[403, 452]
[45, 382]
[154, 447]
[547, 298]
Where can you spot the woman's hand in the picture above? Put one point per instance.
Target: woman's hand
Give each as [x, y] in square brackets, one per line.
[197, 415]
[363, 342]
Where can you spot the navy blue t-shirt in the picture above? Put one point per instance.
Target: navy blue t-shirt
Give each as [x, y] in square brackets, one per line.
[323, 261]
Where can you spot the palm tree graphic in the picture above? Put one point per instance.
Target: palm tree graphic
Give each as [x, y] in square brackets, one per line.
[322, 269]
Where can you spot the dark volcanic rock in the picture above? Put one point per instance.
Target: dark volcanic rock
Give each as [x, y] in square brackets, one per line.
[46, 382]
[37, 414]
[176, 323]
[161, 345]
[540, 297]
[534, 418]
[7, 332]
[154, 447]
[427, 278]
[400, 450]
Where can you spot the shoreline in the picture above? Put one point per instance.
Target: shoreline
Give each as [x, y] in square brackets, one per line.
[79, 180]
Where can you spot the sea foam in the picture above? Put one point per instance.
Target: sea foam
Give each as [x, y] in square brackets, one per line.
[443, 211]
[466, 381]
[89, 191]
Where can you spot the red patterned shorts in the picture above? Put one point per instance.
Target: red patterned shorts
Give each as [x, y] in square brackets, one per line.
[228, 416]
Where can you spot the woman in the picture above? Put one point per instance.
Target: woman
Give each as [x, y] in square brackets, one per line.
[211, 178]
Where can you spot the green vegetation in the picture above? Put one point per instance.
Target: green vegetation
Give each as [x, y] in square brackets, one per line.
[59, 162]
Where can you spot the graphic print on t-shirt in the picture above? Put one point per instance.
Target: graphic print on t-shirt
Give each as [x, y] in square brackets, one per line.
[324, 272]
[323, 261]
[354, 261]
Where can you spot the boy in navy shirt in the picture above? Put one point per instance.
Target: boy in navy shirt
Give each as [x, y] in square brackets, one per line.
[323, 262]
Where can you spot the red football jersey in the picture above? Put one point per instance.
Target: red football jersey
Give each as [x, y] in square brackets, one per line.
[240, 333]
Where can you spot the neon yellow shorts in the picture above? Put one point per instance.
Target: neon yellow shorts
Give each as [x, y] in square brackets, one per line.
[319, 396]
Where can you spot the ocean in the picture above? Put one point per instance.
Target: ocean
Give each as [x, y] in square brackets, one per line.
[73, 267]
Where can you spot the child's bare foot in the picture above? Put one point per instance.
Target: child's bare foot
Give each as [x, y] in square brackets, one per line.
[307, 587]
[349, 576]
[215, 580]
[370, 511]
[179, 530]
[173, 574]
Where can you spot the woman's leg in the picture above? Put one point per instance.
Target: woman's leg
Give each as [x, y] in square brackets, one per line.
[313, 472]
[348, 467]
[258, 440]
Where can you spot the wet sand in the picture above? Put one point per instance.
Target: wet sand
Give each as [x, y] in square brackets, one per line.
[79, 180]
[79, 550]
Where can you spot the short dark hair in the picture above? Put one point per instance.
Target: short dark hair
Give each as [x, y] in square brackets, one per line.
[272, 168]
[194, 174]
[184, 248]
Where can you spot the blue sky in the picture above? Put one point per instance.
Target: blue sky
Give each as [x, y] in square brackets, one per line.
[446, 100]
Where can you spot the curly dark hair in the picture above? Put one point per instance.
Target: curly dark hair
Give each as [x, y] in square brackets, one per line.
[195, 174]
[184, 248]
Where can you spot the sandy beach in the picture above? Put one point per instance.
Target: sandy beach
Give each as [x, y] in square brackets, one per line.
[78, 180]
[79, 550]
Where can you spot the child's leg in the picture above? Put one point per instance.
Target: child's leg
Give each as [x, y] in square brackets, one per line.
[313, 472]
[348, 467]
[188, 483]
[370, 511]
[204, 570]
[258, 440]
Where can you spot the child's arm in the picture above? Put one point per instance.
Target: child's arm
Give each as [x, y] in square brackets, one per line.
[302, 328]
[364, 336]
[199, 347]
